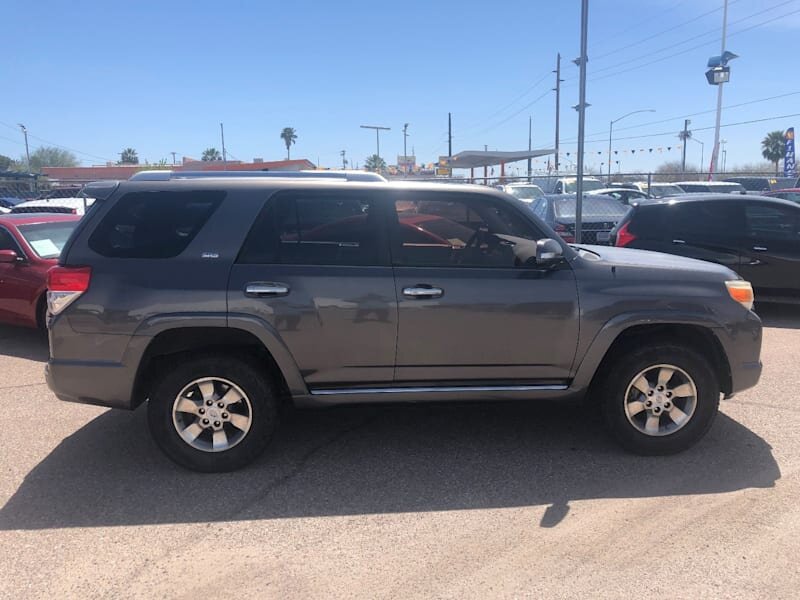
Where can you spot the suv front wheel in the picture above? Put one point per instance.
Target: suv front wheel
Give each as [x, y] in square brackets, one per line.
[660, 399]
[212, 413]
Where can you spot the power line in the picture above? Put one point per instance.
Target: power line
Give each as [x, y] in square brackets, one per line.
[673, 133]
[639, 24]
[532, 87]
[704, 44]
[662, 32]
[508, 118]
[695, 114]
[103, 158]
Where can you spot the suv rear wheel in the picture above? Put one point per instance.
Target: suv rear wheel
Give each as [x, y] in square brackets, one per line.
[660, 399]
[212, 413]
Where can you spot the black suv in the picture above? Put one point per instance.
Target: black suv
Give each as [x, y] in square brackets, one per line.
[757, 237]
[220, 300]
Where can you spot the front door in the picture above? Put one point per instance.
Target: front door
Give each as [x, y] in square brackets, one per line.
[315, 267]
[771, 250]
[472, 305]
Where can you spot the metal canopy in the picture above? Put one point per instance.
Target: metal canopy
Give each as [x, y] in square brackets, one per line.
[470, 159]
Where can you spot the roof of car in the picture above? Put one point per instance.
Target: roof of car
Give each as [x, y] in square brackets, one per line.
[710, 197]
[773, 192]
[708, 183]
[32, 218]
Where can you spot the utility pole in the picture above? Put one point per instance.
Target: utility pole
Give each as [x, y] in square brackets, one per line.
[530, 131]
[449, 135]
[173, 158]
[684, 136]
[405, 151]
[378, 130]
[557, 90]
[715, 149]
[581, 62]
[224, 154]
[27, 152]
[344, 160]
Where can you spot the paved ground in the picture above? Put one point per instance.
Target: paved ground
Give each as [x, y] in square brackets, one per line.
[511, 501]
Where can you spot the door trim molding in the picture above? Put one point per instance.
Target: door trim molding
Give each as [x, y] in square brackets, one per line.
[443, 389]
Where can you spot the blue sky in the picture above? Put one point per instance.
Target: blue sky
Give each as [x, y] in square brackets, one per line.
[97, 77]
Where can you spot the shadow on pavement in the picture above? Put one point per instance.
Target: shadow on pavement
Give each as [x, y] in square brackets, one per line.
[360, 460]
[785, 316]
[30, 344]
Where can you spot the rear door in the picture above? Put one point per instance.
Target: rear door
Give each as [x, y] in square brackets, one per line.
[315, 267]
[706, 230]
[771, 250]
[472, 307]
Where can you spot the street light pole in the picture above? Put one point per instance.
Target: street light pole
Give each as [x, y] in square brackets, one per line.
[405, 151]
[378, 130]
[581, 62]
[27, 152]
[611, 129]
[715, 149]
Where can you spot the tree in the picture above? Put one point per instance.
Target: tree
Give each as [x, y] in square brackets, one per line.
[773, 147]
[6, 163]
[288, 135]
[50, 156]
[128, 157]
[211, 154]
[375, 163]
[672, 171]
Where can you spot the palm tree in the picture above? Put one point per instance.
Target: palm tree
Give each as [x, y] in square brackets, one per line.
[210, 154]
[375, 163]
[773, 148]
[128, 157]
[288, 135]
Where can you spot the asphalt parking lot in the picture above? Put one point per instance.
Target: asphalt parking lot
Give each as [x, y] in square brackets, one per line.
[454, 501]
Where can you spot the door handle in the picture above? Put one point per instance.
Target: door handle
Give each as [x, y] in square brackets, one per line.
[678, 242]
[265, 289]
[423, 291]
[759, 248]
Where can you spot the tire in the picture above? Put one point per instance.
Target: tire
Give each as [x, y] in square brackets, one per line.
[177, 409]
[659, 428]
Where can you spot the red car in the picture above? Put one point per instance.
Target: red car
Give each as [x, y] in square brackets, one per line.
[30, 244]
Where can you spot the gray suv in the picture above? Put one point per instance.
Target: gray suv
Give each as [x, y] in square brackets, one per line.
[221, 300]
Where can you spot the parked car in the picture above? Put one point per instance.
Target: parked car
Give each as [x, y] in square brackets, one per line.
[600, 215]
[69, 206]
[527, 192]
[569, 185]
[791, 194]
[9, 202]
[220, 300]
[760, 185]
[659, 190]
[757, 237]
[717, 187]
[29, 246]
[623, 195]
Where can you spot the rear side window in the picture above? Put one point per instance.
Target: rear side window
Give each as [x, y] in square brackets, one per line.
[703, 220]
[317, 228]
[773, 223]
[153, 224]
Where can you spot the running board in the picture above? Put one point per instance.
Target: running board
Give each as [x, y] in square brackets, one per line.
[447, 390]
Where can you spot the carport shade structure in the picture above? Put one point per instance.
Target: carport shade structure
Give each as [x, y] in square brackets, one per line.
[469, 159]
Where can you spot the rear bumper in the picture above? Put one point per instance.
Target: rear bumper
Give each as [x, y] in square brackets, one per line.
[99, 383]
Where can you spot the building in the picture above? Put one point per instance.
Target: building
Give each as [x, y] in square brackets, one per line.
[78, 176]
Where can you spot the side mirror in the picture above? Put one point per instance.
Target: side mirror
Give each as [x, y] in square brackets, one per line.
[9, 256]
[548, 252]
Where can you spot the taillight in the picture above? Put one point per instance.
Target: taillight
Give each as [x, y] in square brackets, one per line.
[65, 285]
[624, 237]
[564, 232]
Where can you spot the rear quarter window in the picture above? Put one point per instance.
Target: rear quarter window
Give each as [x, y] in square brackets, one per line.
[153, 224]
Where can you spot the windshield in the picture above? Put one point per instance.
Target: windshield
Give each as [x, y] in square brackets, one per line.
[570, 187]
[47, 239]
[605, 208]
[525, 192]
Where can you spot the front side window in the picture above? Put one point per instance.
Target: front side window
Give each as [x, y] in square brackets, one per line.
[460, 231]
[317, 228]
[153, 224]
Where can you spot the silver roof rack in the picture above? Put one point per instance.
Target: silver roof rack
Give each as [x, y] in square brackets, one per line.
[167, 175]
